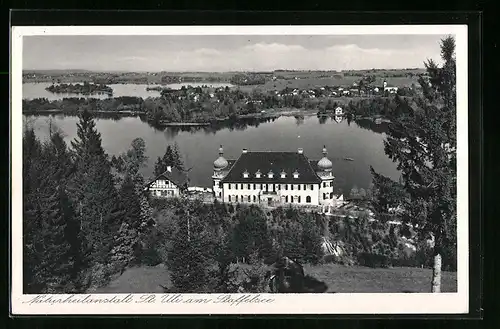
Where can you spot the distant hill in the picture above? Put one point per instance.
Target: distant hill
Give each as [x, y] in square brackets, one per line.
[364, 71]
[55, 72]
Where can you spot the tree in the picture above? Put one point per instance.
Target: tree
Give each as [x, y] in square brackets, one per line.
[422, 141]
[130, 203]
[250, 233]
[135, 158]
[92, 189]
[50, 232]
[354, 192]
[189, 260]
[171, 158]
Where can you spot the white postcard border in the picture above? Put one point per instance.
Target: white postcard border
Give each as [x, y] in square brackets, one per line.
[356, 303]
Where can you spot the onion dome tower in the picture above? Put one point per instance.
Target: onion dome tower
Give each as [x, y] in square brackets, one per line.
[219, 165]
[324, 172]
[221, 162]
[325, 164]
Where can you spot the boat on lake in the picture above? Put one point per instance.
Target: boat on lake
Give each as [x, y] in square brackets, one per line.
[348, 159]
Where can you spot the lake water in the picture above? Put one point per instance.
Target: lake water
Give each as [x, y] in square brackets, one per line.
[199, 148]
[37, 90]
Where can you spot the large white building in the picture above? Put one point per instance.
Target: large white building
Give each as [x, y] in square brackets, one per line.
[273, 179]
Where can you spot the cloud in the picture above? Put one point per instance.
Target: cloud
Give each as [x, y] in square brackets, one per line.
[257, 56]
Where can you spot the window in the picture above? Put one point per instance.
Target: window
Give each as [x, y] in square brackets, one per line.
[270, 174]
[331, 183]
[229, 198]
[283, 174]
[304, 187]
[311, 187]
[286, 186]
[291, 187]
[254, 198]
[229, 186]
[299, 198]
[324, 196]
[254, 186]
[257, 174]
[324, 184]
[248, 198]
[286, 198]
[331, 195]
[295, 174]
[291, 199]
[241, 198]
[248, 187]
[241, 185]
[245, 175]
[298, 187]
[308, 199]
[220, 194]
[236, 186]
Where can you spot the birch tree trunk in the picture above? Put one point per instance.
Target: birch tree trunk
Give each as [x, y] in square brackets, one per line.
[436, 273]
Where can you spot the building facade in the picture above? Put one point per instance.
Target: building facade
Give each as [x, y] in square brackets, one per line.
[273, 179]
[389, 89]
[171, 183]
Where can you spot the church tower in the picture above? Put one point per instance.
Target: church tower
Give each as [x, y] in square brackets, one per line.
[324, 172]
[219, 165]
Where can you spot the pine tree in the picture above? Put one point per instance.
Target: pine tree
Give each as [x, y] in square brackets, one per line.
[135, 159]
[422, 141]
[171, 158]
[92, 189]
[176, 158]
[51, 246]
[57, 267]
[125, 249]
[130, 203]
[159, 167]
[190, 257]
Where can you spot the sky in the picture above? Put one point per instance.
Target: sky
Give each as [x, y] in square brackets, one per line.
[229, 53]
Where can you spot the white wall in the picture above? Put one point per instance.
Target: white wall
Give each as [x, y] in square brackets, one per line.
[281, 191]
[160, 185]
[328, 189]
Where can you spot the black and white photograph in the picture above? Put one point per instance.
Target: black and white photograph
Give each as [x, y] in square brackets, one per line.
[216, 169]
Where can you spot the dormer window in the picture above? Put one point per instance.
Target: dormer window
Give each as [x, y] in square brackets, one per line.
[257, 174]
[295, 174]
[245, 174]
[283, 174]
[270, 174]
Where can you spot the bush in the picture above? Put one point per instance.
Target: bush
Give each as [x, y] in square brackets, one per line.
[97, 276]
[251, 278]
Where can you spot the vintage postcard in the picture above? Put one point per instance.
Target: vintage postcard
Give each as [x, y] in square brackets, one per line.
[239, 170]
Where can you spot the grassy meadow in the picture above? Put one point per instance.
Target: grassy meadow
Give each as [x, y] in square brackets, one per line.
[339, 278]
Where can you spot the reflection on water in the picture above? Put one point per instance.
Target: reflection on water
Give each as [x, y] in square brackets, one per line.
[199, 145]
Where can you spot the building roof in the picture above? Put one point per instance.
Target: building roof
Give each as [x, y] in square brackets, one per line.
[176, 176]
[289, 162]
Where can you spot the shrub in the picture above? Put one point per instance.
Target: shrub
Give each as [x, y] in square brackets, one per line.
[97, 276]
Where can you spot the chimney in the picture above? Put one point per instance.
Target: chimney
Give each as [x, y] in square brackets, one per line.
[244, 151]
[300, 150]
[169, 168]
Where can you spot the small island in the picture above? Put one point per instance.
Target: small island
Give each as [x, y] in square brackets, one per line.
[85, 88]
